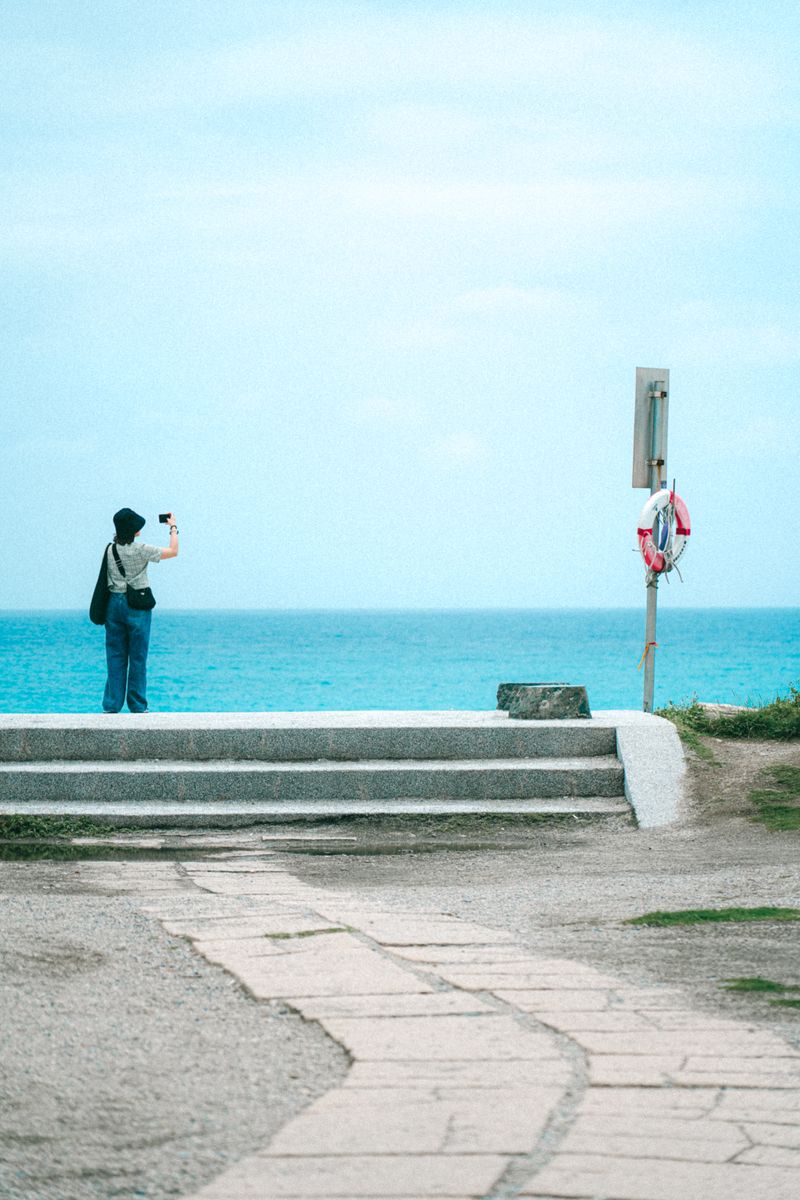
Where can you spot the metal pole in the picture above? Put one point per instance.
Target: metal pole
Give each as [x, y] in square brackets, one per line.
[657, 467]
[650, 643]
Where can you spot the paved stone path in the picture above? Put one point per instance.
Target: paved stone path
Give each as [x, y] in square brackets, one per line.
[480, 1070]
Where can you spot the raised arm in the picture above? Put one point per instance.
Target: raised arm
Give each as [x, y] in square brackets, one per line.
[171, 551]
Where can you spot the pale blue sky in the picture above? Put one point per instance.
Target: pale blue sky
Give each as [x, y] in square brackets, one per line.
[359, 291]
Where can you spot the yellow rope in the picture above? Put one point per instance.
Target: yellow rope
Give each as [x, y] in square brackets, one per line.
[645, 653]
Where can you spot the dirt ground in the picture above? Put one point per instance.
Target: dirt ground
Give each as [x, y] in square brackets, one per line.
[568, 887]
[123, 1047]
[719, 787]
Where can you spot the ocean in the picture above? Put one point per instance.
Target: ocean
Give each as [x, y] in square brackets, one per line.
[232, 661]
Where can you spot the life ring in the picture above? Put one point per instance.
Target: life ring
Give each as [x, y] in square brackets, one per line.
[673, 532]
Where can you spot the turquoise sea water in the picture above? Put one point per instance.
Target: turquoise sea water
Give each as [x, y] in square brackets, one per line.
[251, 661]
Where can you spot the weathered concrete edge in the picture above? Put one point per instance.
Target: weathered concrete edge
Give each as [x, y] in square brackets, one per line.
[652, 757]
[648, 746]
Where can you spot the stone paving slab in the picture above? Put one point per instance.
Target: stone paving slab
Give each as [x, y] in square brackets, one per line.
[471, 1055]
[488, 953]
[749, 1105]
[573, 1175]
[490, 979]
[261, 978]
[458, 1073]
[719, 1045]
[444, 1121]
[646, 1103]
[391, 930]
[320, 945]
[407, 1004]
[687, 1140]
[604, 1021]
[210, 929]
[264, 1177]
[567, 999]
[491, 1037]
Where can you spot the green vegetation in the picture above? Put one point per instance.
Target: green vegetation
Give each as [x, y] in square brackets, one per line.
[779, 808]
[778, 720]
[692, 739]
[26, 827]
[754, 983]
[699, 916]
[776, 991]
[277, 937]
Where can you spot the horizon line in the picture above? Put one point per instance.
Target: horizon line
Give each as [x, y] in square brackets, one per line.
[4, 611]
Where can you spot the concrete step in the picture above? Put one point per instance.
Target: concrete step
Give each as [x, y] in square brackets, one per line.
[296, 737]
[205, 814]
[370, 781]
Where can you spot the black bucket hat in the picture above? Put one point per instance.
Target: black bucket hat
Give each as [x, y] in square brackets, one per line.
[127, 523]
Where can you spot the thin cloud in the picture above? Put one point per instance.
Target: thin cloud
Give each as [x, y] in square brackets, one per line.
[508, 298]
[385, 412]
[458, 449]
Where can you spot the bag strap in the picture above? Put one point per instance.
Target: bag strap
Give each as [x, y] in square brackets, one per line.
[120, 567]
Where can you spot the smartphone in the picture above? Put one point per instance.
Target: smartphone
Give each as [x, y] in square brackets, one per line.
[163, 518]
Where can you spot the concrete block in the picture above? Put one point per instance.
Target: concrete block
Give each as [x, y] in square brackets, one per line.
[291, 737]
[310, 783]
[543, 701]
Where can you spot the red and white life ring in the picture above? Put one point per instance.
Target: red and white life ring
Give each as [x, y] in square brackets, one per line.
[674, 530]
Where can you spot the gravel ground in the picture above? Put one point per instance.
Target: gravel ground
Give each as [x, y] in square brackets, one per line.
[129, 1067]
[570, 894]
[568, 887]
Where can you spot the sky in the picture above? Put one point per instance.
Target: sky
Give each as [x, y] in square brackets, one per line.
[359, 290]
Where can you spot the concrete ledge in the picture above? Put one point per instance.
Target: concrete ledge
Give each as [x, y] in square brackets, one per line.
[655, 768]
[295, 737]
[647, 746]
[293, 783]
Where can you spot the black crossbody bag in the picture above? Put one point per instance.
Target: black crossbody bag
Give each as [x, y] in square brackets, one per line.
[99, 604]
[141, 598]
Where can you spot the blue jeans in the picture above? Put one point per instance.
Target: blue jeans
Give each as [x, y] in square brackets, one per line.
[127, 643]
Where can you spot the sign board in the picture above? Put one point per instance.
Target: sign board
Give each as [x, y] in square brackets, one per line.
[652, 408]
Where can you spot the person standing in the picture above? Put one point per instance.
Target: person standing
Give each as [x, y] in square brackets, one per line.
[127, 628]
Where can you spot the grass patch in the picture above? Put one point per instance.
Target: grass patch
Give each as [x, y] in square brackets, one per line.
[701, 916]
[779, 808]
[755, 983]
[778, 720]
[20, 827]
[692, 739]
[279, 937]
[777, 993]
